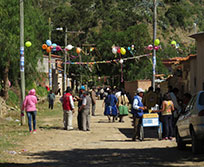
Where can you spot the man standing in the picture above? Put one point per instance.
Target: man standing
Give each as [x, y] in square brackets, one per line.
[85, 110]
[51, 99]
[137, 111]
[68, 107]
[93, 99]
[79, 99]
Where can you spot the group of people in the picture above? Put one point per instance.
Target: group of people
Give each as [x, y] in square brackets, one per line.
[116, 105]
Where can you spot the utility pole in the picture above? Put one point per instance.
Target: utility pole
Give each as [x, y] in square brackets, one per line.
[80, 69]
[22, 74]
[65, 60]
[49, 58]
[154, 38]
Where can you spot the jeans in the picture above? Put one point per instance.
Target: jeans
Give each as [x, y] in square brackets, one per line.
[31, 116]
[51, 104]
[79, 120]
[137, 123]
[68, 120]
[167, 125]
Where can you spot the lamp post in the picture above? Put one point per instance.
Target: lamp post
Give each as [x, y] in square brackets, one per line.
[154, 38]
[22, 74]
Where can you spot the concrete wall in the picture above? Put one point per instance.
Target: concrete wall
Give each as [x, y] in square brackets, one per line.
[200, 62]
[193, 76]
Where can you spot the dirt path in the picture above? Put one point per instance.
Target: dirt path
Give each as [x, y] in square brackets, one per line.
[106, 145]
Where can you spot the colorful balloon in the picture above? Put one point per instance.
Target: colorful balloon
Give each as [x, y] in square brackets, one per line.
[156, 42]
[173, 43]
[49, 43]
[28, 44]
[44, 46]
[48, 49]
[78, 50]
[58, 48]
[129, 48]
[122, 51]
[69, 47]
[121, 61]
[156, 47]
[150, 47]
[114, 50]
[118, 50]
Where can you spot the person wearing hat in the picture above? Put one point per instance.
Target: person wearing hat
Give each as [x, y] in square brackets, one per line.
[68, 107]
[79, 99]
[137, 111]
[85, 111]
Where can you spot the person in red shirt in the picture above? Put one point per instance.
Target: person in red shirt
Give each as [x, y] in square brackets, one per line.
[68, 107]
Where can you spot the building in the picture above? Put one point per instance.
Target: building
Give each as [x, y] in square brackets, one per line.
[199, 37]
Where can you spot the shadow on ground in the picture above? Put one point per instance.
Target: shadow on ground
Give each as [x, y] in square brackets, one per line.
[150, 132]
[154, 157]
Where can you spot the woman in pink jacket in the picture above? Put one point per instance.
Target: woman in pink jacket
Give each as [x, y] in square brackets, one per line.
[29, 105]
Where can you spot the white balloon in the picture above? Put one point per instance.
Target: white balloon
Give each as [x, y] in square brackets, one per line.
[114, 50]
[69, 47]
[121, 61]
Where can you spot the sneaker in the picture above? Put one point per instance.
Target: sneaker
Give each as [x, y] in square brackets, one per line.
[31, 132]
[165, 138]
[34, 131]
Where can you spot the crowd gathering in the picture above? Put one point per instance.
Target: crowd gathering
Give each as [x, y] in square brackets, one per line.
[117, 104]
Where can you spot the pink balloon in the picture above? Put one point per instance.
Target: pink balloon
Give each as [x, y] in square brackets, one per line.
[58, 48]
[156, 47]
[51, 47]
[150, 47]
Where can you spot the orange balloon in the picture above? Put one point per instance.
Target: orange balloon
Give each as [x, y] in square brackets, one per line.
[44, 46]
[78, 50]
[48, 49]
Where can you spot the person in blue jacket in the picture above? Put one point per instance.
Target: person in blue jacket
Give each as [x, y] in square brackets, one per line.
[110, 106]
[137, 111]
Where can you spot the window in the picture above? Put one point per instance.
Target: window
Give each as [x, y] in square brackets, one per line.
[201, 99]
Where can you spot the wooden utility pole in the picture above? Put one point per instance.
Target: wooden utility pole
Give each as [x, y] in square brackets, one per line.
[22, 74]
[154, 38]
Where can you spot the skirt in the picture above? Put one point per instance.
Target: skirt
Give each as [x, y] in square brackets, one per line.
[111, 110]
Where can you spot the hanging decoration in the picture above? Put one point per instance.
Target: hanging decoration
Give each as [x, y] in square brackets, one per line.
[122, 51]
[28, 44]
[109, 61]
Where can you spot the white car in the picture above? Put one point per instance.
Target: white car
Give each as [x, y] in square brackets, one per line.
[190, 124]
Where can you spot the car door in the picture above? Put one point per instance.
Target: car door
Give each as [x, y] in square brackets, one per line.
[184, 121]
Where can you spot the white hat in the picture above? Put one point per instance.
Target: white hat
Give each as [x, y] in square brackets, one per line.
[140, 90]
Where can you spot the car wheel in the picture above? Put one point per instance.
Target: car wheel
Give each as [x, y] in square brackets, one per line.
[141, 133]
[180, 144]
[196, 144]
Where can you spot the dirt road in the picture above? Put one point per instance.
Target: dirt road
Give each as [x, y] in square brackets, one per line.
[106, 145]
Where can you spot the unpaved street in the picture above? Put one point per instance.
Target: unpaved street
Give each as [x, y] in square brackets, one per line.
[106, 145]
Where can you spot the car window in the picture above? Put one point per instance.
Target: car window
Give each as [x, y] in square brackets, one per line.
[201, 99]
[190, 104]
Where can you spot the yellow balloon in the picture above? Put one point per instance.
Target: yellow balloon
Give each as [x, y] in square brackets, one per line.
[122, 51]
[156, 42]
[28, 44]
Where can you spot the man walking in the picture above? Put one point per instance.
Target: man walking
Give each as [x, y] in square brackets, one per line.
[68, 107]
[85, 110]
[93, 100]
[51, 99]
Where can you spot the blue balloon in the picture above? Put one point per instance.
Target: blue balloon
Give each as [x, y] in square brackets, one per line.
[129, 48]
[49, 43]
[54, 45]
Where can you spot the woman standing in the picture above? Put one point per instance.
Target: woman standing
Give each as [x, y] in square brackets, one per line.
[110, 106]
[29, 105]
[123, 103]
[166, 112]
